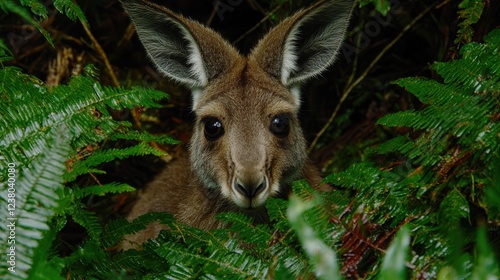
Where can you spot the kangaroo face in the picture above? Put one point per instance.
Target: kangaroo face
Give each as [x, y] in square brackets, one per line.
[247, 139]
[247, 142]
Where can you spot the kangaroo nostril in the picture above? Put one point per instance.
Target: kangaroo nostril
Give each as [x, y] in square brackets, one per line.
[241, 189]
[250, 191]
[259, 189]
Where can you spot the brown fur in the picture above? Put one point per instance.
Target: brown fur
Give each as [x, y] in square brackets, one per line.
[250, 160]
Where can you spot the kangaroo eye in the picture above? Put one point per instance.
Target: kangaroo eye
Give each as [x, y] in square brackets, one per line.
[213, 129]
[280, 126]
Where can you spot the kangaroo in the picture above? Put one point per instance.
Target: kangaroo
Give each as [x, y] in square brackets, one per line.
[247, 143]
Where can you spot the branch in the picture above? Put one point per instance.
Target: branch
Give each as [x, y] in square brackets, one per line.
[363, 75]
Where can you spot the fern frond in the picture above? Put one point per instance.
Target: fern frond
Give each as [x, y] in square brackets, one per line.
[70, 9]
[145, 137]
[358, 176]
[316, 216]
[217, 264]
[98, 157]
[394, 263]
[257, 235]
[36, 7]
[37, 197]
[470, 12]
[87, 220]
[10, 6]
[38, 109]
[323, 258]
[390, 146]
[103, 190]
[116, 230]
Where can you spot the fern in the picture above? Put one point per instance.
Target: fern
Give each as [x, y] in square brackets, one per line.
[394, 263]
[11, 6]
[66, 7]
[33, 113]
[37, 8]
[108, 155]
[323, 257]
[446, 170]
[103, 190]
[29, 116]
[86, 219]
[470, 12]
[37, 196]
[70, 9]
[382, 6]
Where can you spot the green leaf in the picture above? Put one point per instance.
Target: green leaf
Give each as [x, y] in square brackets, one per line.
[10, 6]
[71, 10]
[322, 257]
[396, 256]
[88, 220]
[108, 155]
[453, 208]
[116, 230]
[486, 266]
[103, 190]
[470, 13]
[382, 6]
[36, 7]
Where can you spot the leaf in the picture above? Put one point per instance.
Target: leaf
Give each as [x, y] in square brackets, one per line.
[322, 257]
[12, 6]
[88, 220]
[394, 263]
[453, 208]
[36, 199]
[71, 10]
[470, 13]
[116, 230]
[103, 190]
[486, 266]
[98, 157]
[36, 7]
[382, 6]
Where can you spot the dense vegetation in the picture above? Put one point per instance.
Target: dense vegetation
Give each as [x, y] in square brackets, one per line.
[409, 145]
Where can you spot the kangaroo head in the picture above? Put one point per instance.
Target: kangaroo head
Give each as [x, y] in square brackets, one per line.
[247, 142]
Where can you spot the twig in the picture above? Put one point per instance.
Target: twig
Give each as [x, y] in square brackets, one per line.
[102, 54]
[351, 86]
[109, 69]
[212, 14]
[259, 23]
[255, 5]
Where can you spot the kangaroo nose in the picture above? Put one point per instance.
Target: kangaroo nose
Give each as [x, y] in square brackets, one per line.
[249, 190]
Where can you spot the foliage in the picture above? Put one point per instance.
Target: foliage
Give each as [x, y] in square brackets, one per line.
[381, 6]
[424, 204]
[470, 13]
[38, 10]
[51, 137]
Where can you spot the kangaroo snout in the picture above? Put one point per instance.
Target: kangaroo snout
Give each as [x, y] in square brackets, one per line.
[249, 186]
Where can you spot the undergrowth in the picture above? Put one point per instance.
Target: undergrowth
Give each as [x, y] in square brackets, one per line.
[425, 204]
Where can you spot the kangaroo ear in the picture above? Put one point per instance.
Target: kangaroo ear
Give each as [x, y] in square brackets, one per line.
[305, 44]
[182, 49]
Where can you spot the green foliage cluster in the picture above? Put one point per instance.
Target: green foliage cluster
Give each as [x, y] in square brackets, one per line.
[432, 213]
[37, 12]
[51, 136]
[442, 187]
